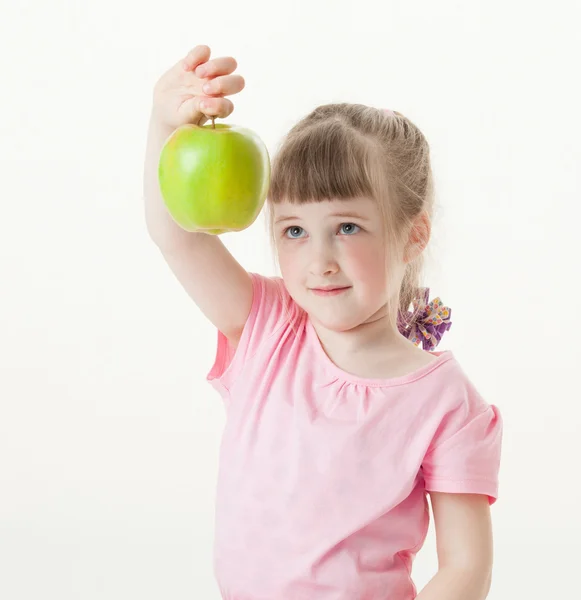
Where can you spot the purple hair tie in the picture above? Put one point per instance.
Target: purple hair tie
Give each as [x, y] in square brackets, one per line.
[430, 324]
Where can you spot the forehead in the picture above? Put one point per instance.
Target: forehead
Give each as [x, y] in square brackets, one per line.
[364, 208]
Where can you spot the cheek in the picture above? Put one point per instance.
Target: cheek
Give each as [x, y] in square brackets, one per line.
[289, 265]
[366, 260]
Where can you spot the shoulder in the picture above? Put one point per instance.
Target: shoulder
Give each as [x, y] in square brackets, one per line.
[455, 402]
[451, 393]
[272, 305]
[273, 314]
[452, 383]
[463, 435]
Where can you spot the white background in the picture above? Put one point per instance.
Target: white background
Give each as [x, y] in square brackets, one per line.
[108, 432]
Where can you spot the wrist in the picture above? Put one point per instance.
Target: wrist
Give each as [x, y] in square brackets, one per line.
[157, 123]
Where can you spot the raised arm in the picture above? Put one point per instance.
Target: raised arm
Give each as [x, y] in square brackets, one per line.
[208, 272]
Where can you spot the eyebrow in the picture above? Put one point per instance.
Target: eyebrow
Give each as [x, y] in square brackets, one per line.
[348, 215]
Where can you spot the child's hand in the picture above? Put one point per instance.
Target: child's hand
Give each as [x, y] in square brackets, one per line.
[178, 94]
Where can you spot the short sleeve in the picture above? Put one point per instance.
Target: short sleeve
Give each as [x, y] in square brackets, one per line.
[464, 456]
[272, 308]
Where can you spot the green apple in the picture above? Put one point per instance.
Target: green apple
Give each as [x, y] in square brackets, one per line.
[214, 178]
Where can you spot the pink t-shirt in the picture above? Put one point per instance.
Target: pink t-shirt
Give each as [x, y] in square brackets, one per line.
[323, 475]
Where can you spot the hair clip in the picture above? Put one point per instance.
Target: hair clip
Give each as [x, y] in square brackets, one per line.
[430, 324]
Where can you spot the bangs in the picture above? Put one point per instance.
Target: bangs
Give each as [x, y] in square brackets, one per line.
[323, 162]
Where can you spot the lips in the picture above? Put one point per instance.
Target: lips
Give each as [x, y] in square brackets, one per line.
[329, 291]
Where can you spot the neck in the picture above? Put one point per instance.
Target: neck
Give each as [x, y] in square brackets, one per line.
[377, 333]
[373, 349]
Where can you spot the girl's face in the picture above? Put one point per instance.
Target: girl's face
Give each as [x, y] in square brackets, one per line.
[335, 243]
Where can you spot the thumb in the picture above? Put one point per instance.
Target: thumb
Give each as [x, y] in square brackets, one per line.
[192, 112]
[198, 55]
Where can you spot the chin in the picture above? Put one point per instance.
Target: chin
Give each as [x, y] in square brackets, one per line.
[338, 323]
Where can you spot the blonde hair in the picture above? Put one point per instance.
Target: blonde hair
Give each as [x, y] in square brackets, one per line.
[346, 151]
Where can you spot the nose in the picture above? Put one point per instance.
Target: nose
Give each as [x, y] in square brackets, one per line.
[322, 260]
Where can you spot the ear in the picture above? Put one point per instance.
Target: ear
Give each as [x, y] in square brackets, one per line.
[418, 237]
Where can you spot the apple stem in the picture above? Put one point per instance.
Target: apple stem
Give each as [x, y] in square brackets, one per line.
[213, 124]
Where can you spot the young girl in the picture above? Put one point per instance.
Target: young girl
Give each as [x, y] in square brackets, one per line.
[338, 423]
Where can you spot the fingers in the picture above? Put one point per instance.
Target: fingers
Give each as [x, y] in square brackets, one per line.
[219, 82]
[198, 109]
[198, 55]
[216, 107]
[218, 66]
[224, 85]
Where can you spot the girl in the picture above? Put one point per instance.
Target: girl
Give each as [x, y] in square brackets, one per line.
[338, 424]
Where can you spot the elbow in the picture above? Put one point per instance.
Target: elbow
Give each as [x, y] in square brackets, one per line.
[481, 581]
[475, 581]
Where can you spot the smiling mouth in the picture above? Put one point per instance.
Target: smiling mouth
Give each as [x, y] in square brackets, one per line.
[329, 291]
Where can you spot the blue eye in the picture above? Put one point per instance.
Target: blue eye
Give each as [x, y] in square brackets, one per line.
[352, 228]
[293, 229]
